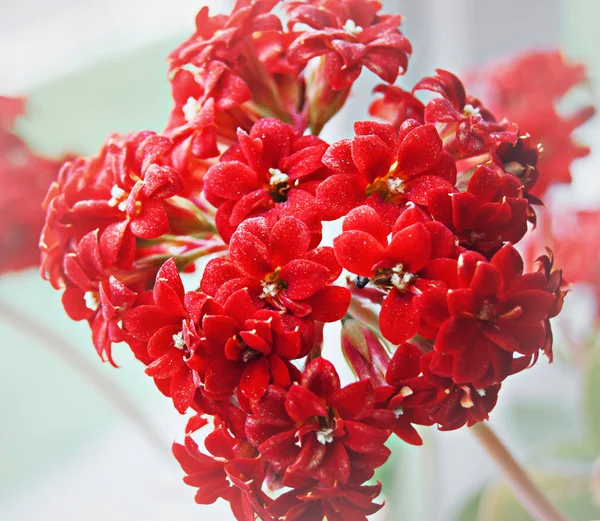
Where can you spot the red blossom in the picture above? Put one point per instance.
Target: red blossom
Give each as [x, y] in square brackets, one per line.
[491, 211]
[419, 397]
[277, 266]
[474, 128]
[228, 472]
[349, 35]
[320, 431]
[527, 90]
[246, 348]
[385, 168]
[495, 311]
[272, 170]
[167, 327]
[24, 180]
[404, 269]
[337, 503]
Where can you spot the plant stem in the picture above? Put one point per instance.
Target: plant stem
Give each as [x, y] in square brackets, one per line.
[72, 356]
[525, 490]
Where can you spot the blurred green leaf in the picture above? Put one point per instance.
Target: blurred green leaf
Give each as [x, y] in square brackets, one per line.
[570, 494]
[535, 425]
[471, 509]
[592, 398]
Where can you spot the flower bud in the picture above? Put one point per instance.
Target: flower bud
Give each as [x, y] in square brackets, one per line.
[364, 353]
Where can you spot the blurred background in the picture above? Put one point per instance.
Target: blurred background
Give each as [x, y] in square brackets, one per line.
[96, 66]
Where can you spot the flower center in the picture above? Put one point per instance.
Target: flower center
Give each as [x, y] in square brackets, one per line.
[391, 187]
[396, 186]
[279, 185]
[351, 28]
[396, 277]
[250, 354]
[471, 111]
[178, 341]
[486, 311]
[325, 435]
[272, 285]
[118, 198]
[91, 300]
[191, 109]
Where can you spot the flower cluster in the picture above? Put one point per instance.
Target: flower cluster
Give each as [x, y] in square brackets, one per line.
[24, 180]
[528, 90]
[437, 309]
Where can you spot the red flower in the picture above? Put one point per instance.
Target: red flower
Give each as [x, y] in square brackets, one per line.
[385, 169]
[337, 503]
[278, 268]
[396, 106]
[223, 37]
[319, 431]
[489, 213]
[350, 35]
[249, 349]
[228, 473]
[24, 180]
[495, 311]
[272, 169]
[123, 193]
[168, 328]
[527, 89]
[474, 128]
[419, 397]
[400, 269]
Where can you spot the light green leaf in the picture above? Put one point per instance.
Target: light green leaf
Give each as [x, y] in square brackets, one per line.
[570, 494]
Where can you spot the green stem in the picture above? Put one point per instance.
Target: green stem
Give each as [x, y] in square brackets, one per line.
[73, 357]
[523, 487]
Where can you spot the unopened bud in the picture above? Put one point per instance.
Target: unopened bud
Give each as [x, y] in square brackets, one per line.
[363, 351]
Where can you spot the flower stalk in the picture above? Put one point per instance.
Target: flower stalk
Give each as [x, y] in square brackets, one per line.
[525, 490]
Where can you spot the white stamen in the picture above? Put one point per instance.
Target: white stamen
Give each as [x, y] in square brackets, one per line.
[401, 279]
[399, 411]
[325, 436]
[470, 110]
[269, 289]
[406, 391]
[190, 109]
[277, 177]
[396, 186]
[91, 300]
[351, 28]
[178, 340]
[118, 199]
[481, 392]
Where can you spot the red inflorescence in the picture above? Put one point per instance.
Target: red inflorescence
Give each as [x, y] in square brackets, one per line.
[528, 90]
[24, 180]
[436, 307]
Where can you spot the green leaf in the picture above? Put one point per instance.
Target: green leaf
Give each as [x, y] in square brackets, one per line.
[535, 425]
[570, 494]
[592, 398]
[470, 510]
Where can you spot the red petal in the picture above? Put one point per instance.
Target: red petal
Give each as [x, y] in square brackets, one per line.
[358, 252]
[255, 379]
[302, 403]
[339, 194]
[329, 304]
[411, 247]
[250, 255]
[421, 149]
[398, 320]
[290, 239]
[321, 377]
[303, 278]
[355, 401]
[367, 220]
